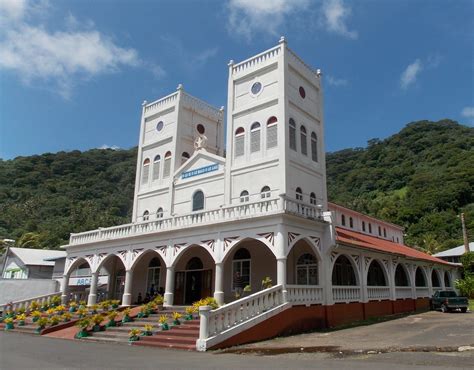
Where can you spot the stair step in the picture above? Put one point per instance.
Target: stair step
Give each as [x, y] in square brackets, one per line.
[169, 339]
[187, 347]
[103, 339]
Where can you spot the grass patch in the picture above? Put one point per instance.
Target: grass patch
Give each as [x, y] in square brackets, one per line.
[471, 304]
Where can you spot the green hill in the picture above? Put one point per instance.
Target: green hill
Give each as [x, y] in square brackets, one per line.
[421, 178]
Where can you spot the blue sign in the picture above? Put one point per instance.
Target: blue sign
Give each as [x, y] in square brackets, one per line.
[200, 171]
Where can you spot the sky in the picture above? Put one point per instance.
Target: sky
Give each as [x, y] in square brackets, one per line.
[73, 74]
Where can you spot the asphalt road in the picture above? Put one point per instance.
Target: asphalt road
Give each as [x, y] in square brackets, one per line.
[23, 351]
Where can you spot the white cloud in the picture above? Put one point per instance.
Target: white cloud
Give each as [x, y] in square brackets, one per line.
[468, 112]
[12, 10]
[410, 74]
[59, 60]
[113, 147]
[335, 14]
[337, 82]
[251, 17]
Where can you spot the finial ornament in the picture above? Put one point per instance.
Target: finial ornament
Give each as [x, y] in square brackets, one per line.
[282, 40]
[200, 142]
[231, 62]
[144, 103]
[319, 73]
[180, 87]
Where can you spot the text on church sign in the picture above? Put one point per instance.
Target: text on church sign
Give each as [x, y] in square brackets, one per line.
[200, 171]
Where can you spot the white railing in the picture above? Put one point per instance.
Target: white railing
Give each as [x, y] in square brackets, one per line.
[403, 292]
[257, 59]
[25, 303]
[160, 103]
[304, 294]
[422, 292]
[261, 207]
[375, 293]
[346, 293]
[202, 106]
[230, 319]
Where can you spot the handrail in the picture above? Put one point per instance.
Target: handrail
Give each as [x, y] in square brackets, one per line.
[25, 303]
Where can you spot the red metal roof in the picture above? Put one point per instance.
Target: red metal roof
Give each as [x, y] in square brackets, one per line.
[365, 241]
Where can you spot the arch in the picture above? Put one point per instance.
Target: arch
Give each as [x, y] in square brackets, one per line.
[292, 134]
[198, 201]
[304, 142]
[244, 196]
[314, 147]
[156, 167]
[255, 134]
[272, 132]
[307, 269]
[145, 171]
[312, 198]
[351, 222]
[376, 274]
[167, 165]
[229, 250]
[447, 280]
[188, 249]
[239, 142]
[265, 192]
[343, 220]
[107, 258]
[75, 264]
[194, 263]
[146, 161]
[344, 271]
[184, 156]
[146, 215]
[299, 194]
[435, 280]
[159, 212]
[310, 242]
[420, 277]
[401, 276]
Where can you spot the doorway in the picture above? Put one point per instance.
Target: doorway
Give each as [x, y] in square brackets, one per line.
[193, 284]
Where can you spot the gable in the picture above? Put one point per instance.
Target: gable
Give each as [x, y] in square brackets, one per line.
[201, 164]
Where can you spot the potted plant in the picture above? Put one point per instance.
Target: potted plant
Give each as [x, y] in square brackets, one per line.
[73, 306]
[82, 304]
[55, 301]
[126, 315]
[53, 321]
[147, 330]
[50, 311]
[267, 283]
[66, 317]
[247, 290]
[9, 323]
[134, 335]
[150, 308]
[97, 319]
[163, 320]
[83, 324]
[189, 313]
[105, 305]
[41, 324]
[112, 315]
[60, 309]
[143, 312]
[115, 303]
[21, 319]
[158, 301]
[20, 311]
[34, 306]
[35, 315]
[82, 312]
[93, 309]
[176, 317]
[44, 307]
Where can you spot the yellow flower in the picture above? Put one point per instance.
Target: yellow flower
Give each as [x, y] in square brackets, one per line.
[163, 319]
[176, 315]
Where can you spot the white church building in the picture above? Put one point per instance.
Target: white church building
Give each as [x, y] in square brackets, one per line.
[244, 190]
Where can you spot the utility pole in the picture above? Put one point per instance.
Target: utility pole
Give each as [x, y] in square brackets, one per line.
[464, 234]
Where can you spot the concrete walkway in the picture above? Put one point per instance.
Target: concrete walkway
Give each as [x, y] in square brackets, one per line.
[426, 331]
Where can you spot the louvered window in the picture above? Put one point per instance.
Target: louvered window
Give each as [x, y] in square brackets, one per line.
[145, 171]
[314, 147]
[272, 133]
[304, 144]
[255, 131]
[292, 134]
[239, 142]
[156, 168]
[167, 166]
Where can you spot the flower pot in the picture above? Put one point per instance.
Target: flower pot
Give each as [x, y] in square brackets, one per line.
[9, 326]
[66, 320]
[176, 322]
[114, 306]
[134, 338]
[127, 319]
[82, 334]
[165, 327]
[147, 333]
[38, 329]
[140, 315]
[96, 328]
[189, 317]
[72, 309]
[21, 323]
[111, 323]
[35, 319]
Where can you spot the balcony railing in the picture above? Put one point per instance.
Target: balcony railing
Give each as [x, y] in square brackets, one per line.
[422, 292]
[263, 207]
[377, 293]
[346, 293]
[403, 292]
[304, 294]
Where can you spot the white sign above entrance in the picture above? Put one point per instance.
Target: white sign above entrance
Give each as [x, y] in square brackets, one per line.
[200, 171]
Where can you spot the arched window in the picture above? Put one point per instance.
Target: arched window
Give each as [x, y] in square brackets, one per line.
[265, 192]
[255, 131]
[167, 166]
[420, 277]
[380, 231]
[244, 196]
[343, 272]
[299, 194]
[401, 277]
[239, 144]
[145, 171]
[351, 222]
[198, 201]
[241, 265]
[153, 277]
[447, 280]
[343, 220]
[272, 132]
[184, 157]
[375, 275]
[312, 199]
[435, 279]
[194, 263]
[363, 226]
[314, 147]
[370, 228]
[384, 232]
[146, 216]
[156, 167]
[307, 270]
[292, 135]
[304, 143]
[159, 213]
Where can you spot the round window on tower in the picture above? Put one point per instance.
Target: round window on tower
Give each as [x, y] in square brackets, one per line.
[302, 92]
[159, 126]
[256, 88]
[200, 128]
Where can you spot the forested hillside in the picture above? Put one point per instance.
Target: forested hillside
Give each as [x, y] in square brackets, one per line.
[421, 178]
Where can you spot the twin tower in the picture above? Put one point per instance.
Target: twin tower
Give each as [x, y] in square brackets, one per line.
[274, 142]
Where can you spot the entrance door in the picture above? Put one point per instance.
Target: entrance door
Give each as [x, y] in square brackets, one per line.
[180, 278]
[193, 286]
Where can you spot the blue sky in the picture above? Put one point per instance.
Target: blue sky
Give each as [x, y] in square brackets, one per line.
[73, 74]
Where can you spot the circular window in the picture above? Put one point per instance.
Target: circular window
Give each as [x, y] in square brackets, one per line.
[200, 129]
[159, 126]
[302, 92]
[256, 88]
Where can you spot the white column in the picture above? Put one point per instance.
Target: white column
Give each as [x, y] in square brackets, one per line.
[219, 283]
[391, 280]
[327, 266]
[127, 292]
[169, 289]
[64, 286]
[429, 272]
[92, 299]
[281, 276]
[364, 295]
